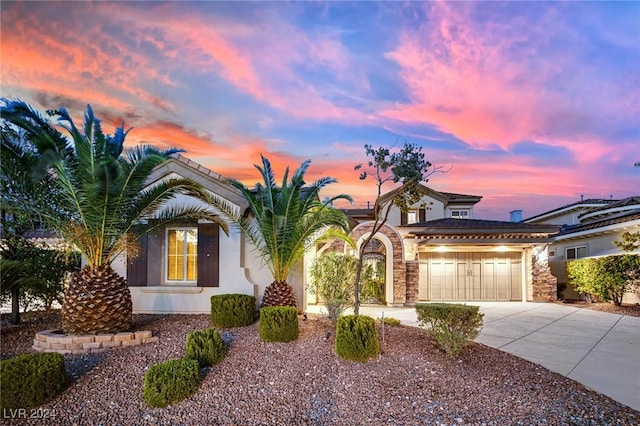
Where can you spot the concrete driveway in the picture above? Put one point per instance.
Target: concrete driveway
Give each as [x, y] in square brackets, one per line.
[599, 350]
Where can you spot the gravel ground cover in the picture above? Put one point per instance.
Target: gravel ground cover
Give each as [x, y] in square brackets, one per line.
[632, 310]
[305, 383]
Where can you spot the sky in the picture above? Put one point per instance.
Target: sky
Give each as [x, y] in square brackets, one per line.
[528, 104]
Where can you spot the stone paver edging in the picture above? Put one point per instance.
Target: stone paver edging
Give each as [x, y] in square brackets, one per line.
[56, 341]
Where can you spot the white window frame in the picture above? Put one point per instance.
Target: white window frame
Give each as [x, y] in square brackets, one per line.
[416, 216]
[461, 214]
[575, 249]
[185, 229]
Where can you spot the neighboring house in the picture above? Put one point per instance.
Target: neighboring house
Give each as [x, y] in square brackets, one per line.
[588, 229]
[438, 252]
[180, 267]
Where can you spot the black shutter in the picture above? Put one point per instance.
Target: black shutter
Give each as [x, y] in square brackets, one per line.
[423, 215]
[208, 255]
[137, 268]
[403, 218]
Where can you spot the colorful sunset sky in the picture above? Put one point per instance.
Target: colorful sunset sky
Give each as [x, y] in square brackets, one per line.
[529, 104]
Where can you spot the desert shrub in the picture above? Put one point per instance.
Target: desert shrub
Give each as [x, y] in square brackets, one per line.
[390, 321]
[205, 346]
[28, 381]
[279, 323]
[607, 278]
[48, 270]
[232, 310]
[356, 338]
[332, 277]
[171, 381]
[452, 325]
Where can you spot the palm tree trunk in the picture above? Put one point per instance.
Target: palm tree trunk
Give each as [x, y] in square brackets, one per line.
[15, 305]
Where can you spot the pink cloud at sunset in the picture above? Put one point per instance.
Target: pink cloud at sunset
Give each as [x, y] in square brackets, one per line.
[531, 104]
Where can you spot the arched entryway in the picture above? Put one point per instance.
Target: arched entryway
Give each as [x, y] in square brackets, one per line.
[375, 257]
[388, 243]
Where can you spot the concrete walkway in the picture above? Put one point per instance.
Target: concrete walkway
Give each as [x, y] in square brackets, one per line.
[599, 350]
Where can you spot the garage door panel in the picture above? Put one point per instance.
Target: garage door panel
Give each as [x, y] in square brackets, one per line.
[476, 281]
[461, 285]
[436, 280]
[502, 279]
[488, 280]
[450, 278]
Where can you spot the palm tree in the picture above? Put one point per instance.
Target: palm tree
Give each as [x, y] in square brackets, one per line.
[284, 222]
[103, 197]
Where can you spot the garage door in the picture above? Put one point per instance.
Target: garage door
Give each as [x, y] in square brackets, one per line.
[470, 276]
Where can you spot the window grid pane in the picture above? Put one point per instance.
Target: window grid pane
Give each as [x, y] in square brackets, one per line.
[182, 254]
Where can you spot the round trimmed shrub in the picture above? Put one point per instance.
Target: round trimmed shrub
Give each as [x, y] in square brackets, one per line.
[171, 381]
[205, 346]
[279, 323]
[232, 310]
[356, 338]
[28, 381]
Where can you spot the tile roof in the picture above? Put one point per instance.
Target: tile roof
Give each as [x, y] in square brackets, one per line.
[453, 197]
[451, 226]
[587, 202]
[626, 216]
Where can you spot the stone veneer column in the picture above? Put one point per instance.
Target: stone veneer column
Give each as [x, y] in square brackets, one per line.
[544, 283]
[412, 282]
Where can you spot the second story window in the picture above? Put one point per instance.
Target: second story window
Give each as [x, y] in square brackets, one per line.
[460, 214]
[413, 216]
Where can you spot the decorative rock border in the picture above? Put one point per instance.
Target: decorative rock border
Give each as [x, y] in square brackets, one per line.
[57, 341]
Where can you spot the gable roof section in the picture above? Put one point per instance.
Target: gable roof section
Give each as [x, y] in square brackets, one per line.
[627, 204]
[446, 197]
[469, 231]
[614, 223]
[210, 180]
[453, 198]
[450, 197]
[591, 203]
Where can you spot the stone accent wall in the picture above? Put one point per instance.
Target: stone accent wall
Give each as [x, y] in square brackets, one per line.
[543, 284]
[55, 341]
[399, 266]
[412, 282]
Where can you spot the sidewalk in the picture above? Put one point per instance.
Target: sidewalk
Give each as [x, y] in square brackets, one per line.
[597, 349]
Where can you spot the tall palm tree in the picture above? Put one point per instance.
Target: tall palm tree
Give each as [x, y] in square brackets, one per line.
[285, 221]
[102, 197]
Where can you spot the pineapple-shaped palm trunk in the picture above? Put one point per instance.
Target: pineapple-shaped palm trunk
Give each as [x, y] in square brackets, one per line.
[96, 301]
[279, 293]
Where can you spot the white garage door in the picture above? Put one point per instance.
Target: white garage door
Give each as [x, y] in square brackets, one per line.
[470, 276]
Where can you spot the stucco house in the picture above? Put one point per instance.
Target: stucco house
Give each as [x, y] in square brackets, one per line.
[180, 267]
[435, 252]
[588, 229]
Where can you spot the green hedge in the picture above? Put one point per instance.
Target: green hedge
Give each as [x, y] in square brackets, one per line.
[171, 381]
[279, 323]
[205, 346]
[28, 381]
[606, 277]
[453, 325]
[232, 310]
[394, 322]
[356, 338]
